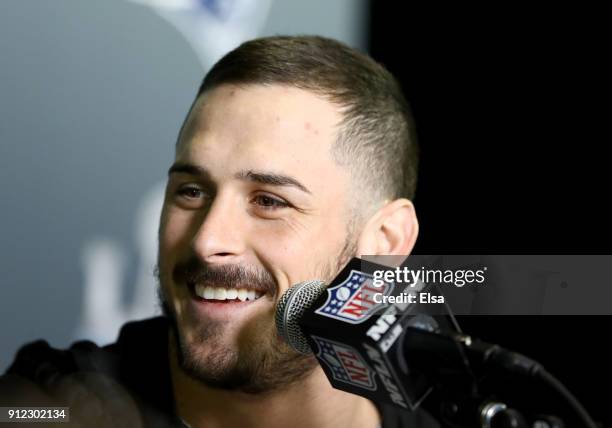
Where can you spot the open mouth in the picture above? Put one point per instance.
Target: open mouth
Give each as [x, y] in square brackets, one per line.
[223, 295]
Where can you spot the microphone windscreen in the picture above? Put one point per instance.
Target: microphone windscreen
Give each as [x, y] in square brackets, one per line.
[290, 309]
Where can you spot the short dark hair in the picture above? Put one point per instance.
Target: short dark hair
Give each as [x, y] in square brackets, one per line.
[376, 139]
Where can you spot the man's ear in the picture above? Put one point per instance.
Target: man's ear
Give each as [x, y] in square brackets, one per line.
[392, 230]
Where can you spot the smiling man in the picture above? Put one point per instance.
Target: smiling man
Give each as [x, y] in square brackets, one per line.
[297, 154]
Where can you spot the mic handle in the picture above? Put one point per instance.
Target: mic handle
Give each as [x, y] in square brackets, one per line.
[430, 348]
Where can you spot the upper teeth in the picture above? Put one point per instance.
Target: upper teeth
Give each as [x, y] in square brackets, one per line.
[219, 293]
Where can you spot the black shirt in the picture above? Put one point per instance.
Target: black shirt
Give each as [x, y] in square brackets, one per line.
[126, 383]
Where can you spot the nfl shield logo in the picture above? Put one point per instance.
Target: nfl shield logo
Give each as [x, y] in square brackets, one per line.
[345, 363]
[352, 300]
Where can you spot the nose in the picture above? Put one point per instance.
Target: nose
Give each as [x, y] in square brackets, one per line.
[221, 236]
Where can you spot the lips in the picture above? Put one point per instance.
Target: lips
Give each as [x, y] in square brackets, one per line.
[223, 283]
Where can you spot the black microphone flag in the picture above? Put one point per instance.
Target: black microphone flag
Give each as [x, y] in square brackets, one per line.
[357, 334]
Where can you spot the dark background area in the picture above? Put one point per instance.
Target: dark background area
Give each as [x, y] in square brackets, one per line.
[507, 101]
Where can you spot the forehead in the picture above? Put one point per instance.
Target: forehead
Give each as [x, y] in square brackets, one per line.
[268, 127]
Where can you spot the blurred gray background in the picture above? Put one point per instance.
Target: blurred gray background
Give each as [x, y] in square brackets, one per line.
[92, 95]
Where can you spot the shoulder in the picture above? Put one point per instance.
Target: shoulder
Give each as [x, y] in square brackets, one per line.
[88, 377]
[39, 361]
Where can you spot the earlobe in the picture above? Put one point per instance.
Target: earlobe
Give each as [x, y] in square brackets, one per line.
[392, 230]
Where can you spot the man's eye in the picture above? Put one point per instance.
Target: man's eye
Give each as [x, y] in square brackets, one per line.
[190, 196]
[190, 192]
[269, 202]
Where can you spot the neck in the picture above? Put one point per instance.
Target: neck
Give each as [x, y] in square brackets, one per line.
[310, 402]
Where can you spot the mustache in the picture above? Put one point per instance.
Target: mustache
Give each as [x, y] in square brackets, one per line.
[195, 271]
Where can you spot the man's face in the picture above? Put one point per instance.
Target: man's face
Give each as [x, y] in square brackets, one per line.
[254, 204]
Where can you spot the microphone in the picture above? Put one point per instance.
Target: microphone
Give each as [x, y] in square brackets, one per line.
[360, 339]
[397, 350]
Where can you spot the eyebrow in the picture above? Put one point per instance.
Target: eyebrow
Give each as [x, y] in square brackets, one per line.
[271, 178]
[250, 175]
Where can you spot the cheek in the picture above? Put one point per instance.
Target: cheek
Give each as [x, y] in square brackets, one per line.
[296, 251]
[174, 234]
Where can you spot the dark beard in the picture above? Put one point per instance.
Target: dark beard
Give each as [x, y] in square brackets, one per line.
[265, 364]
[267, 367]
